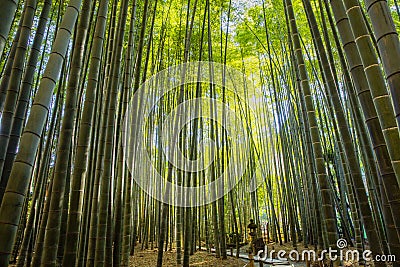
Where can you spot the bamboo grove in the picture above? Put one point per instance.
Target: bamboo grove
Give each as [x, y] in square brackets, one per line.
[320, 107]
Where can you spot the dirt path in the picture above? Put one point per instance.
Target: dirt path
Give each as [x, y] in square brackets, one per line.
[148, 258]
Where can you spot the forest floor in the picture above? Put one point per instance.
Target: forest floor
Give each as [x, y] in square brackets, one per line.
[148, 258]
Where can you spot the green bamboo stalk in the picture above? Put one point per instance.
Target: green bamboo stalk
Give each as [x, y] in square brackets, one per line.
[9, 7]
[17, 187]
[13, 87]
